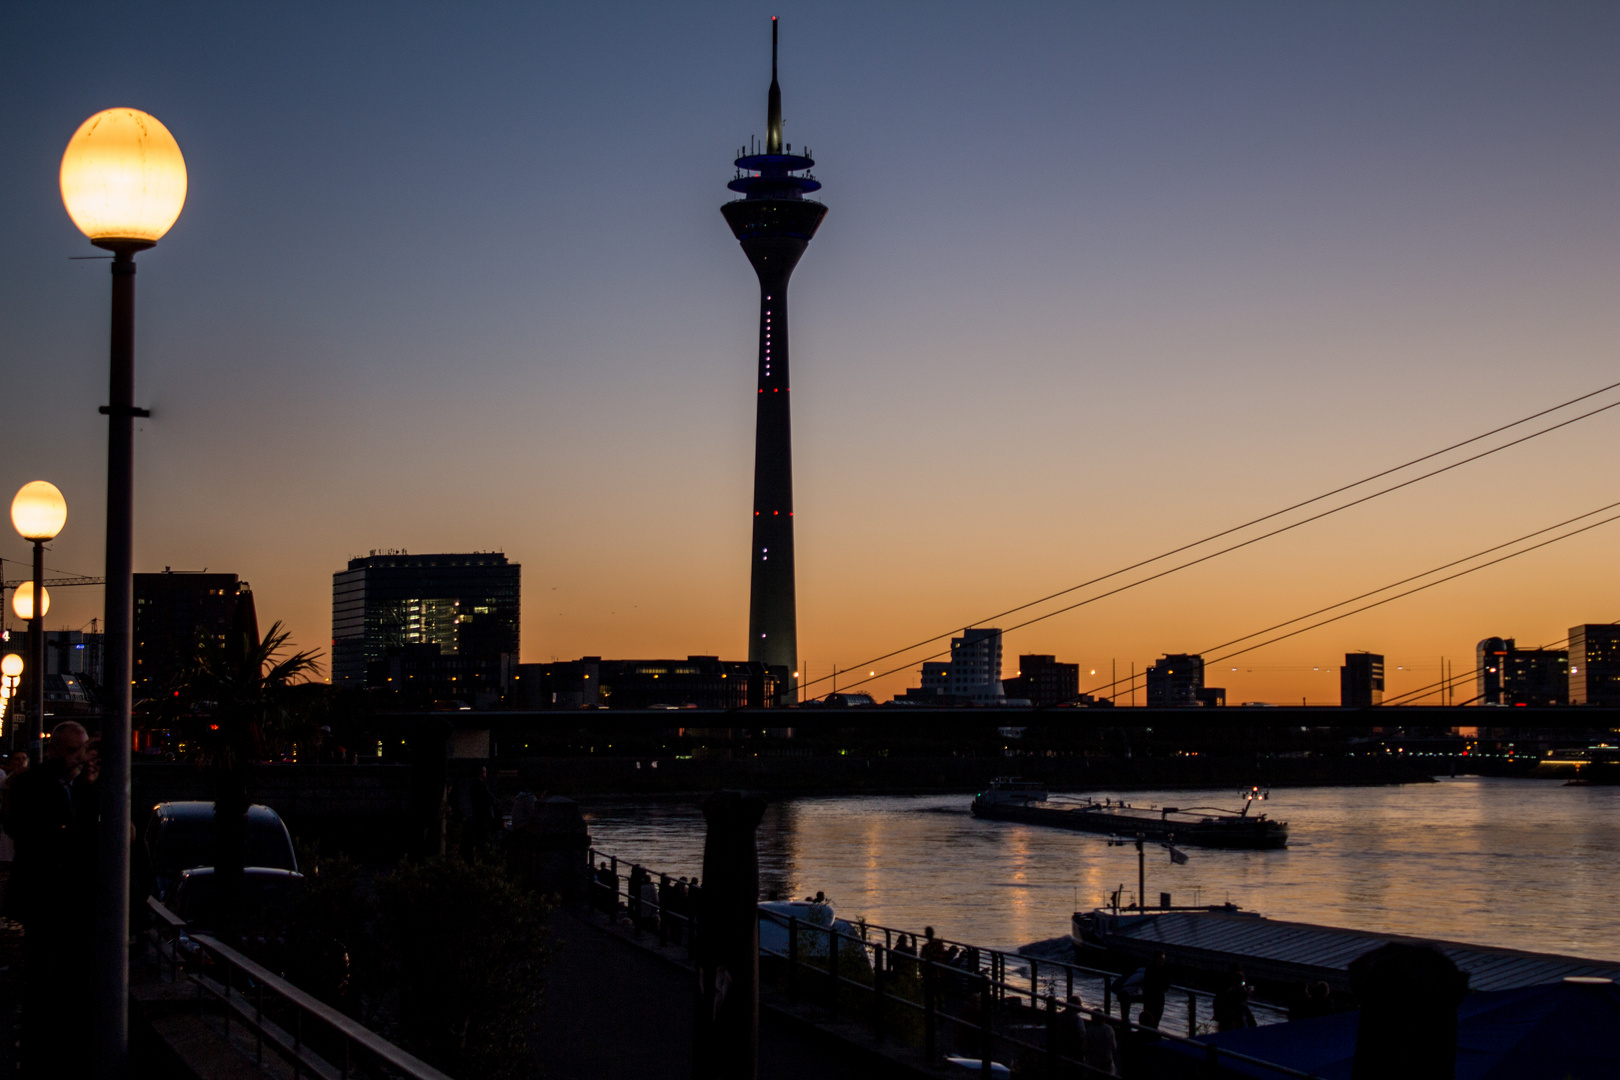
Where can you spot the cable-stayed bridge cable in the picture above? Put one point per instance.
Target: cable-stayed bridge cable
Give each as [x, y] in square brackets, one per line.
[1252, 522]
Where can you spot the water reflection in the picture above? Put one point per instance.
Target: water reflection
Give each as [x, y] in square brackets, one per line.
[1517, 863]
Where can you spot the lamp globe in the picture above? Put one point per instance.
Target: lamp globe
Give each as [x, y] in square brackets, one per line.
[22, 601]
[39, 511]
[123, 179]
[11, 666]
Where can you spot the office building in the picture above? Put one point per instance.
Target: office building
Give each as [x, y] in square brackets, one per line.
[465, 606]
[1176, 681]
[773, 221]
[700, 682]
[971, 677]
[1042, 680]
[1594, 664]
[1361, 680]
[180, 616]
[1509, 675]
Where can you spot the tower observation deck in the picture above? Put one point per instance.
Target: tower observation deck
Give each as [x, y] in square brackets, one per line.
[774, 223]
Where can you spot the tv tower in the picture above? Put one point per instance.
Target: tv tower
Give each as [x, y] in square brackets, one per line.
[774, 223]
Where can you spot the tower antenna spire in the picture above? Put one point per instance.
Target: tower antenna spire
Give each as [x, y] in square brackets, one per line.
[773, 112]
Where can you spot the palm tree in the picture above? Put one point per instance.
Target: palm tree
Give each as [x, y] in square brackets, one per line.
[237, 700]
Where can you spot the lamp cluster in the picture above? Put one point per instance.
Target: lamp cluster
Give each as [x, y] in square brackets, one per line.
[10, 674]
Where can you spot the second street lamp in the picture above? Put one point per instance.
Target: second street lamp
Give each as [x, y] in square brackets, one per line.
[38, 514]
[123, 182]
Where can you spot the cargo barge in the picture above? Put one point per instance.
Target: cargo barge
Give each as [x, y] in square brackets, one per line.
[1011, 799]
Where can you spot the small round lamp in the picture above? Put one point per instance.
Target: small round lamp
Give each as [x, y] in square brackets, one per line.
[22, 601]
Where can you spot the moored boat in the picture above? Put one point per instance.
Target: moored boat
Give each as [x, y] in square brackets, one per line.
[1012, 799]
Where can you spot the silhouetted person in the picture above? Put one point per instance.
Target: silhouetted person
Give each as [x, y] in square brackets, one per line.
[638, 881]
[1155, 985]
[1232, 1004]
[50, 893]
[1101, 1048]
[1069, 1034]
[1407, 1028]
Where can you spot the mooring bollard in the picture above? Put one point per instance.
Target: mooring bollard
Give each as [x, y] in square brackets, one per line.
[1192, 1014]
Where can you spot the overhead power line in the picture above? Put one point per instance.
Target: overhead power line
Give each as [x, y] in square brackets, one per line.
[1255, 521]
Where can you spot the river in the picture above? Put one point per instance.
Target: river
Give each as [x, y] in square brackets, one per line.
[1525, 864]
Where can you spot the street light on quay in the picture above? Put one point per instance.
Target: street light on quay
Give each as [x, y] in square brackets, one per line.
[38, 514]
[11, 668]
[123, 183]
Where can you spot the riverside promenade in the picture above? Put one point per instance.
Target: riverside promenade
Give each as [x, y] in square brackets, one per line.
[616, 1006]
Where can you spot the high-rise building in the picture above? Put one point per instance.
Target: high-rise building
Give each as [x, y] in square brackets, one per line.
[181, 615]
[774, 222]
[971, 677]
[464, 605]
[1042, 680]
[1509, 675]
[1361, 680]
[975, 671]
[1594, 664]
[1175, 681]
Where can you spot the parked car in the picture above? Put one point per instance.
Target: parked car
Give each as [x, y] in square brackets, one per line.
[180, 836]
[267, 892]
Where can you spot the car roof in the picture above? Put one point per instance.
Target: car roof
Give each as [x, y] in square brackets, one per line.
[251, 871]
[198, 810]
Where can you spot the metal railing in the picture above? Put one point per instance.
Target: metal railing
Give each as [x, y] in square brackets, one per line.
[855, 974]
[310, 1037]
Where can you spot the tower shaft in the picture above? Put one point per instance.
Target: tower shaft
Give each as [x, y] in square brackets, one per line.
[774, 223]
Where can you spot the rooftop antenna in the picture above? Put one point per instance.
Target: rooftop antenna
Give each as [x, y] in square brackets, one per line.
[773, 116]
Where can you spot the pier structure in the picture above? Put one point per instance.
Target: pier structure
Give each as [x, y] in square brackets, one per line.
[774, 222]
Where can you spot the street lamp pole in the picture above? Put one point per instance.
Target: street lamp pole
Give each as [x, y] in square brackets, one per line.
[111, 993]
[36, 659]
[123, 182]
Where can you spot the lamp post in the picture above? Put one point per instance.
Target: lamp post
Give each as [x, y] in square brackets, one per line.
[11, 667]
[38, 514]
[123, 182]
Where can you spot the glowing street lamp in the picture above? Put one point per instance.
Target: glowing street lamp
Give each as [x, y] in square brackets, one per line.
[123, 182]
[10, 670]
[37, 513]
[22, 602]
